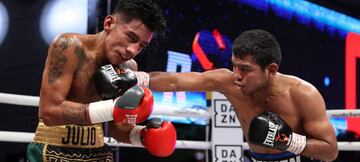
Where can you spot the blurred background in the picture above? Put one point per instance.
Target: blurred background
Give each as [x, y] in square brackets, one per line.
[312, 34]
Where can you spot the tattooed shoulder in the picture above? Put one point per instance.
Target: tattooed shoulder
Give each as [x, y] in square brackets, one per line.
[58, 58]
[80, 54]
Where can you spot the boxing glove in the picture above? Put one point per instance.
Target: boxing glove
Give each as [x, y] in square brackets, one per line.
[111, 82]
[269, 130]
[158, 137]
[134, 106]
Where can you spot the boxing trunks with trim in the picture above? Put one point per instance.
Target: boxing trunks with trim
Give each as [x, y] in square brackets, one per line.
[278, 157]
[68, 143]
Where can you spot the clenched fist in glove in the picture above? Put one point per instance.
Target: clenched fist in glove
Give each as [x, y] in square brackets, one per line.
[269, 130]
[158, 137]
[134, 106]
[111, 82]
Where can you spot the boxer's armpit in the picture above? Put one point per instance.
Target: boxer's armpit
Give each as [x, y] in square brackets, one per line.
[58, 59]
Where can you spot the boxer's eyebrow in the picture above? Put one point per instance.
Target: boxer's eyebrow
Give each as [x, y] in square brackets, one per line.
[241, 64]
[135, 38]
[244, 66]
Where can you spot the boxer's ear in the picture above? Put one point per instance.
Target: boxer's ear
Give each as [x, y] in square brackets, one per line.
[273, 68]
[109, 23]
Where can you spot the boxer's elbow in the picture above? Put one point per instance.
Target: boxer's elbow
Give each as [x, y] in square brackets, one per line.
[330, 152]
[48, 114]
[333, 152]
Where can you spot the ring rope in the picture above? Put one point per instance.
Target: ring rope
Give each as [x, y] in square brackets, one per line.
[26, 100]
[24, 137]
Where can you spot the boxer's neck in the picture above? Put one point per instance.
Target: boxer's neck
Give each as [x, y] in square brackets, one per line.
[271, 88]
[98, 47]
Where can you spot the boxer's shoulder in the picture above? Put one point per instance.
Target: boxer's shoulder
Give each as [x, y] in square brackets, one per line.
[302, 89]
[297, 86]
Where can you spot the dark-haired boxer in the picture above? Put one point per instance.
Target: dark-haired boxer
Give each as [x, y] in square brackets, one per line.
[282, 116]
[71, 112]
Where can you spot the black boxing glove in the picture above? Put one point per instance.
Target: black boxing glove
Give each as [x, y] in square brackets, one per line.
[269, 130]
[111, 82]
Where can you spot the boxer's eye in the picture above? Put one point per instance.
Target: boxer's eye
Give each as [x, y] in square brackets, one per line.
[132, 37]
[245, 69]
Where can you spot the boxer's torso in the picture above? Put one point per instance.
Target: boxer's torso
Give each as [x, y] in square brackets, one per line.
[82, 89]
[280, 101]
[83, 86]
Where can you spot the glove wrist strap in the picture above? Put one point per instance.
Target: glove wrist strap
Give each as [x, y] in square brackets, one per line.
[101, 111]
[297, 144]
[143, 78]
[135, 137]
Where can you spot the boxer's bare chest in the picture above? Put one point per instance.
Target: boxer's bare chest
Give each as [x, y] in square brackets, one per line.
[83, 86]
[246, 109]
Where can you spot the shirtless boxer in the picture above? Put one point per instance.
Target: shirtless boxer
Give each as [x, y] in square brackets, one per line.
[282, 116]
[74, 80]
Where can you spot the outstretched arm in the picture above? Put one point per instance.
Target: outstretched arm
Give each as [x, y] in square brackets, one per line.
[321, 140]
[213, 80]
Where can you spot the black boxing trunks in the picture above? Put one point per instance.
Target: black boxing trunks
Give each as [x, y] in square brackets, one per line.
[68, 143]
[279, 157]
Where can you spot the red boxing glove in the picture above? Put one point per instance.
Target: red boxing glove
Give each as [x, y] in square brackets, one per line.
[158, 137]
[134, 106]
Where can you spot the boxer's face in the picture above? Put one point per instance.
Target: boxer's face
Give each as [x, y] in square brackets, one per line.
[125, 40]
[249, 77]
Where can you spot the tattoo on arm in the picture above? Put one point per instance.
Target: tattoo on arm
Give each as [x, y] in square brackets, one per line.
[58, 59]
[80, 54]
[76, 115]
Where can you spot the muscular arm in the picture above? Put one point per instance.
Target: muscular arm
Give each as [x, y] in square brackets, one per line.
[63, 59]
[321, 139]
[213, 80]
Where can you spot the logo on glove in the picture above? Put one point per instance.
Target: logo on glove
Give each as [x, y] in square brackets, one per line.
[131, 118]
[282, 138]
[111, 72]
[273, 128]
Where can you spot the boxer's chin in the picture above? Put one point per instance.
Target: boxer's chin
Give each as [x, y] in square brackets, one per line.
[244, 90]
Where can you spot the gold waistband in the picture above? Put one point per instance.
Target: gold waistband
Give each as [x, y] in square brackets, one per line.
[70, 135]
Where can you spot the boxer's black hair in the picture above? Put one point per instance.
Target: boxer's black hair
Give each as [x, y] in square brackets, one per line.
[259, 44]
[145, 10]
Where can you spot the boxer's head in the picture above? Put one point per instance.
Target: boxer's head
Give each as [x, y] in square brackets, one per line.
[131, 27]
[256, 57]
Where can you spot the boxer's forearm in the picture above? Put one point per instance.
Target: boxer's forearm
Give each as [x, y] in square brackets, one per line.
[66, 112]
[162, 81]
[320, 150]
[185, 81]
